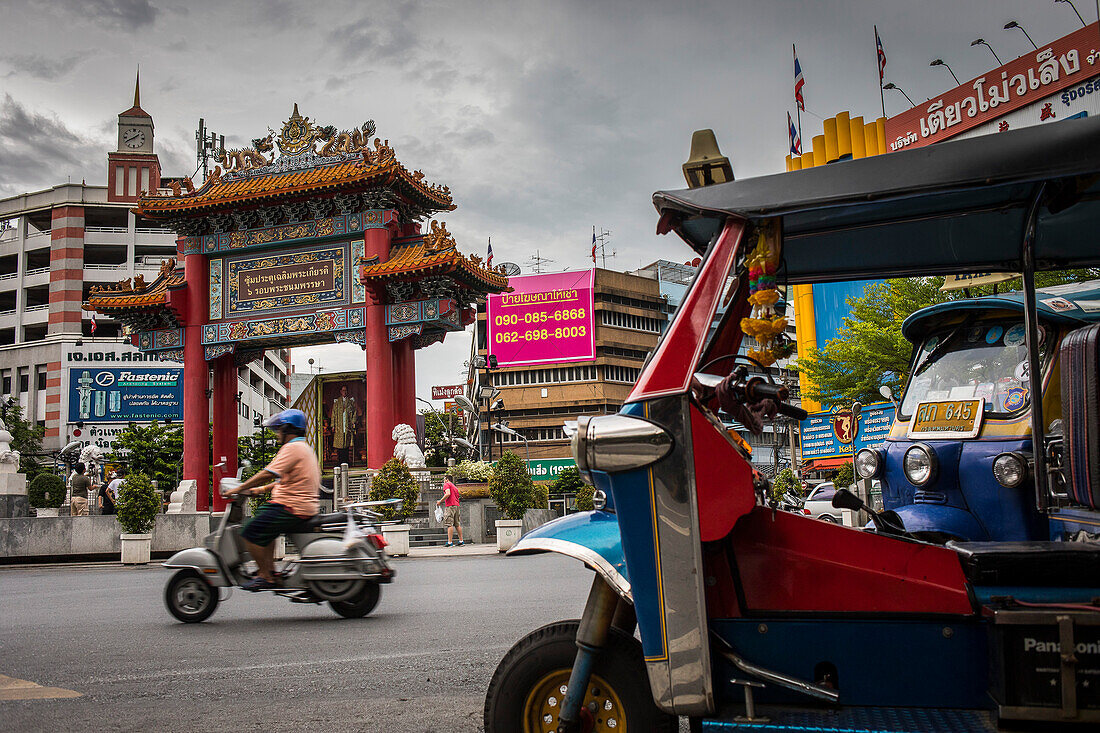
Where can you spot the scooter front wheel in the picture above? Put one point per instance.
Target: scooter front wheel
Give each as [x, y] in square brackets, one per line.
[189, 597]
[360, 605]
[529, 686]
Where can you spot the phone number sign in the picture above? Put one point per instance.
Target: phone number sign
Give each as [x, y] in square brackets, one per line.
[546, 318]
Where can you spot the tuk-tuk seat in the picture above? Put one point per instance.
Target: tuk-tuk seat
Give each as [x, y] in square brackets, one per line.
[1044, 564]
[1080, 360]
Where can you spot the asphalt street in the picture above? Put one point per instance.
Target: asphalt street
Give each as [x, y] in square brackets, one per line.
[420, 662]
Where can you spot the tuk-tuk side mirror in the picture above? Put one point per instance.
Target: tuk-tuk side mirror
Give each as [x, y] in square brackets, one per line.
[844, 499]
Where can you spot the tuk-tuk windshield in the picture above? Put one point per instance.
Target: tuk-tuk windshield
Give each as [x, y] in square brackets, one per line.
[985, 360]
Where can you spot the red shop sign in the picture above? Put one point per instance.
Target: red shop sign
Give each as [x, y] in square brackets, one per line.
[1034, 76]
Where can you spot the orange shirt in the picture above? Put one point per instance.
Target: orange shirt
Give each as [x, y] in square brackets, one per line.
[299, 484]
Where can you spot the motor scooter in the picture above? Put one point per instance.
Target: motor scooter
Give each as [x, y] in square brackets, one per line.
[342, 561]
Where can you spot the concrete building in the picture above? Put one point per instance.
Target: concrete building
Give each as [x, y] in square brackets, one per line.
[629, 316]
[59, 243]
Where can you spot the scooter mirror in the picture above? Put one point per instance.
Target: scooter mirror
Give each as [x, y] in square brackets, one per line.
[844, 499]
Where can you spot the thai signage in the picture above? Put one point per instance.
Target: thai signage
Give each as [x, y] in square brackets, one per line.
[280, 281]
[446, 392]
[125, 394]
[1067, 62]
[546, 318]
[548, 469]
[834, 434]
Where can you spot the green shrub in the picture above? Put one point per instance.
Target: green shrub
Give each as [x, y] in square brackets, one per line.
[845, 476]
[46, 491]
[394, 481]
[138, 504]
[583, 500]
[568, 482]
[540, 496]
[511, 486]
[784, 482]
[476, 471]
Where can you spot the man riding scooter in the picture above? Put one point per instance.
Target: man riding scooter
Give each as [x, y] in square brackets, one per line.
[294, 497]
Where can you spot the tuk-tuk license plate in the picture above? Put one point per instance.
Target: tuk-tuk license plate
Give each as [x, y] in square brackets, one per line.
[947, 419]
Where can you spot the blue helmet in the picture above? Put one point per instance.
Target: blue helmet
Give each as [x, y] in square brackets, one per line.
[293, 418]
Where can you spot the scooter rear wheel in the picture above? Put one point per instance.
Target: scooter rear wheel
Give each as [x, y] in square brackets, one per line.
[189, 597]
[360, 605]
[528, 687]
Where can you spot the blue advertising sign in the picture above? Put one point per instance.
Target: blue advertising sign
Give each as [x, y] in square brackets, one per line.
[139, 393]
[832, 434]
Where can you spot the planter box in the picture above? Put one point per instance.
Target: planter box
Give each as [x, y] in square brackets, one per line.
[508, 533]
[42, 512]
[136, 548]
[397, 539]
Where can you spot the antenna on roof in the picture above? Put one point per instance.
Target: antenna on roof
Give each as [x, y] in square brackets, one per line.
[206, 145]
[537, 261]
[601, 245]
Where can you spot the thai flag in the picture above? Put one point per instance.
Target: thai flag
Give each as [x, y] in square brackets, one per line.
[489, 254]
[799, 82]
[881, 58]
[796, 141]
[593, 246]
[93, 323]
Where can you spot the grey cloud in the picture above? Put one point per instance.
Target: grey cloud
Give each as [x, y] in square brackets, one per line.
[128, 14]
[39, 150]
[37, 66]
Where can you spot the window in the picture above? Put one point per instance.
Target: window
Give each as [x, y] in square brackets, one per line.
[41, 380]
[630, 321]
[24, 381]
[131, 182]
[6, 382]
[560, 375]
[120, 180]
[615, 373]
[145, 180]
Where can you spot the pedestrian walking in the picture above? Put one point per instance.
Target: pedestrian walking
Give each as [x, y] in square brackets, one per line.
[81, 485]
[451, 515]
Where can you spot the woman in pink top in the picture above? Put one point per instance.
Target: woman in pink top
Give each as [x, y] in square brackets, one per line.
[451, 518]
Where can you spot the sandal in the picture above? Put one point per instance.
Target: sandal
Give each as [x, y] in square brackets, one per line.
[258, 584]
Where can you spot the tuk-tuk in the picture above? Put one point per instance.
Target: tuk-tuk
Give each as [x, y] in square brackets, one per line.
[973, 352]
[752, 618]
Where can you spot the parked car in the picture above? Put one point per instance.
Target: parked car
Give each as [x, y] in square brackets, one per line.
[819, 504]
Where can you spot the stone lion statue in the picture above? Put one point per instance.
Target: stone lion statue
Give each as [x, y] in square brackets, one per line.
[406, 450]
[7, 455]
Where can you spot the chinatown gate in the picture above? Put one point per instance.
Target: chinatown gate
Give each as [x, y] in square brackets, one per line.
[311, 236]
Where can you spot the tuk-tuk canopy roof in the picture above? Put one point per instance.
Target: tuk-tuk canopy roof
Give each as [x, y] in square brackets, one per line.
[1073, 305]
[954, 207]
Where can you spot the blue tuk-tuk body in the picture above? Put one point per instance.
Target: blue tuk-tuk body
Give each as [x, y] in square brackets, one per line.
[754, 618]
[965, 501]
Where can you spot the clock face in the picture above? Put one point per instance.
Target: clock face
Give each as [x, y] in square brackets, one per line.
[133, 137]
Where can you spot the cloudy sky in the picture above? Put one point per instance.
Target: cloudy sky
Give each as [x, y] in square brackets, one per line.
[545, 118]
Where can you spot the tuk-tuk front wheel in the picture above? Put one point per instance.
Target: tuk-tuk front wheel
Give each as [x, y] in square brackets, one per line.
[189, 597]
[529, 685]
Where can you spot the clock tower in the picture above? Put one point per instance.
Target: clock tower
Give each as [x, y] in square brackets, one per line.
[134, 167]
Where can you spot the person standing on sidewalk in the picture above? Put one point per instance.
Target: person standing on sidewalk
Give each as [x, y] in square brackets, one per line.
[81, 485]
[451, 515]
[109, 497]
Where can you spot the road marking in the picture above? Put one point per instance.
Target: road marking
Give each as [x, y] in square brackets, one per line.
[16, 689]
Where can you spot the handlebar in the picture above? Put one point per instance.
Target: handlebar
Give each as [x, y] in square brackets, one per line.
[757, 389]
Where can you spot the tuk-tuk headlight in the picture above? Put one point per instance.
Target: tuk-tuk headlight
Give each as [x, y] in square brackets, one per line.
[1010, 469]
[868, 463]
[617, 443]
[920, 464]
[599, 500]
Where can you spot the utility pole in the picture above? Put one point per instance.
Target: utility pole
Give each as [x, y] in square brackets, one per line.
[206, 144]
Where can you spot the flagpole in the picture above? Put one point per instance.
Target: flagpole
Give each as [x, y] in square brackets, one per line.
[878, 68]
[797, 108]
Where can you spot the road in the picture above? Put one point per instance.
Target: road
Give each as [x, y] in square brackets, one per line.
[420, 662]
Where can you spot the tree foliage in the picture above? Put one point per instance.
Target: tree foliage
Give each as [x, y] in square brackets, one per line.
[154, 450]
[439, 428]
[46, 491]
[784, 481]
[511, 486]
[869, 350]
[568, 482]
[845, 476]
[138, 504]
[26, 437]
[395, 481]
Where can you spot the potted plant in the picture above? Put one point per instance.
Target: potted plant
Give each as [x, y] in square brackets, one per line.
[394, 481]
[137, 508]
[513, 491]
[46, 494]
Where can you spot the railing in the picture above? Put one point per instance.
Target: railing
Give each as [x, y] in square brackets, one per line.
[154, 230]
[36, 308]
[38, 271]
[9, 276]
[9, 312]
[112, 268]
[115, 230]
[38, 234]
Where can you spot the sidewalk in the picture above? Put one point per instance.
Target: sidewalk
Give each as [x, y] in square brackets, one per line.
[488, 548]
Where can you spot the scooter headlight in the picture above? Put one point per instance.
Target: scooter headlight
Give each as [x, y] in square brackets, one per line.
[1010, 469]
[920, 464]
[868, 463]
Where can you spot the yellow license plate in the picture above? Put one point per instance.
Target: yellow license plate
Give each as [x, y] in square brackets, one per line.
[947, 419]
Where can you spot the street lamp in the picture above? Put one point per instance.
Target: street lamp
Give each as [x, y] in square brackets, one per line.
[895, 87]
[983, 42]
[1013, 24]
[941, 62]
[1070, 3]
[503, 429]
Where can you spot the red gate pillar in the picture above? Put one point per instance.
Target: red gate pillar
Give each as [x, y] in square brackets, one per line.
[404, 367]
[379, 353]
[196, 376]
[225, 423]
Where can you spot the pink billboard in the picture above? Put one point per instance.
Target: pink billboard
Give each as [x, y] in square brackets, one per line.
[546, 318]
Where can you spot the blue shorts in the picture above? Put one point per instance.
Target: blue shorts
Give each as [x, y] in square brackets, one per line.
[271, 521]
